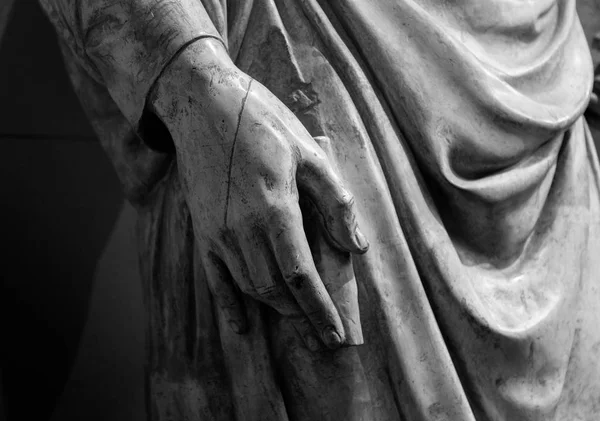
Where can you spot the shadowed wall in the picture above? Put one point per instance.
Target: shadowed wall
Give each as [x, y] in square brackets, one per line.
[60, 202]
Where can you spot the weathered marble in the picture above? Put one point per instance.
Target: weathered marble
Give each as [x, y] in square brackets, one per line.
[267, 144]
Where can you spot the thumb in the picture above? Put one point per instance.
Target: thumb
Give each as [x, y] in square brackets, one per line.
[335, 204]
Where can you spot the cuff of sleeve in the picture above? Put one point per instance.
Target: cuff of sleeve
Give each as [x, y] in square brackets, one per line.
[131, 44]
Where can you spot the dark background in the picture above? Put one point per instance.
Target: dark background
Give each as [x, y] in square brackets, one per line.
[71, 339]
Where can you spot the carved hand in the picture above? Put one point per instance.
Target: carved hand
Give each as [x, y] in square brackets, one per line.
[244, 159]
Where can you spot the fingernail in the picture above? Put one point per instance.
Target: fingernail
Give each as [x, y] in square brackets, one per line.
[360, 239]
[312, 342]
[331, 338]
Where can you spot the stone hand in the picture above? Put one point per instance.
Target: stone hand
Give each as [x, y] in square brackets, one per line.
[244, 161]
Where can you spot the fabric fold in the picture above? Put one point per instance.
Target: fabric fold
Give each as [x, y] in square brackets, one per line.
[457, 126]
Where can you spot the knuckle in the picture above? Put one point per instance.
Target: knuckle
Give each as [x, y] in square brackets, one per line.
[277, 213]
[346, 201]
[246, 224]
[269, 292]
[320, 159]
[273, 210]
[297, 278]
[238, 221]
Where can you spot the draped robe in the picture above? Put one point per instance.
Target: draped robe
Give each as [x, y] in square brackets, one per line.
[458, 127]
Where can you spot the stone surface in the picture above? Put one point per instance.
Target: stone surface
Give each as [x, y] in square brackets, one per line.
[459, 132]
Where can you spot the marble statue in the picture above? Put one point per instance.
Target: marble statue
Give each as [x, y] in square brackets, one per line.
[353, 209]
[593, 110]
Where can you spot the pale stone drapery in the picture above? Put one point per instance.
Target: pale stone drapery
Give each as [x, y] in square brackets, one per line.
[462, 140]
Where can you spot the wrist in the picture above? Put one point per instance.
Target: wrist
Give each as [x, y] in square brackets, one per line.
[202, 73]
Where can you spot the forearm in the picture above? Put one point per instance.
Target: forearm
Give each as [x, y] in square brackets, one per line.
[126, 44]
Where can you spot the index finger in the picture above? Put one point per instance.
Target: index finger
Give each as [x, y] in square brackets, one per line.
[295, 262]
